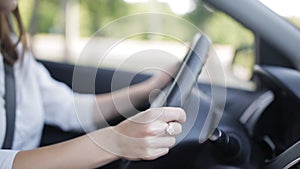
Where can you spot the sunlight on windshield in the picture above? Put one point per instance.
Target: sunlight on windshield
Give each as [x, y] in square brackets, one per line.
[288, 8]
[179, 7]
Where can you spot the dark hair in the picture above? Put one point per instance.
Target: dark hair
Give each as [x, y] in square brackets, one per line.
[8, 45]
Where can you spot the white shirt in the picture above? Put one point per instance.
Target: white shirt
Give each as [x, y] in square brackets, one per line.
[40, 99]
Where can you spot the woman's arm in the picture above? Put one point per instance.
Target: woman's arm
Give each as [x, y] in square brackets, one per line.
[143, 136]
[125, 100]
[79, 153]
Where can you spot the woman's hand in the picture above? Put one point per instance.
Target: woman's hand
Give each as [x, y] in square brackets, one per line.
[162, 77]
[147, 135]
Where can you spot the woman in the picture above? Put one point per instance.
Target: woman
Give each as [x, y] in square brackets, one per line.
[40, 99]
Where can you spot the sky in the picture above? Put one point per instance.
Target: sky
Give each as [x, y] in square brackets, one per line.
[282, 7]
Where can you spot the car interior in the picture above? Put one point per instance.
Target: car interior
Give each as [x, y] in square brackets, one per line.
[252, 129]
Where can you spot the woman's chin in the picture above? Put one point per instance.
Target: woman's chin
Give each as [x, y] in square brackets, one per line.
[12, 5]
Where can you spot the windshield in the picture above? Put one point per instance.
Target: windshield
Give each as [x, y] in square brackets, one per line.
[288, 9]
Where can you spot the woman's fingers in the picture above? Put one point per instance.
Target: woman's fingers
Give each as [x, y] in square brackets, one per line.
[165, 114]
[173, 128]
[149, 134]
[160, 128]
[170, 114]
[164, 76]
[162, 142]
[156, 153]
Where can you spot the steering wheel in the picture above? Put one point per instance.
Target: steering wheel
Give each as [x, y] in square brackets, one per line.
[176, 92]
[183, 91]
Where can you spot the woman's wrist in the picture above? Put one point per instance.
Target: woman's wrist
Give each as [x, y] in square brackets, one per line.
[105, 142]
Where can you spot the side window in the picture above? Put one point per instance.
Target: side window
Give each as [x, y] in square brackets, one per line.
[61, 30]
[287, 9]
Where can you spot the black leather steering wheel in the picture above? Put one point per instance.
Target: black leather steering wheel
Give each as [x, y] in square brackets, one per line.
[178, 91]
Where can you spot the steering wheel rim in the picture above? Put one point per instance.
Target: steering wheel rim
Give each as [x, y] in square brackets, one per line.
[174, 94]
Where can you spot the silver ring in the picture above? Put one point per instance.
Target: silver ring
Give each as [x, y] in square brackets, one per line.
[170, 130]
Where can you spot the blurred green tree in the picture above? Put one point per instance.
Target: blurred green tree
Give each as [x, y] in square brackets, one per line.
[221, 28]
[225, 30]
[44, 16]
[48, 17]
[200, 15]
[295, 21]
[96, 13]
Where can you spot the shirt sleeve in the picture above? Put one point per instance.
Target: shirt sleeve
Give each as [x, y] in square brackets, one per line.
[63, 107]
[7, 158]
